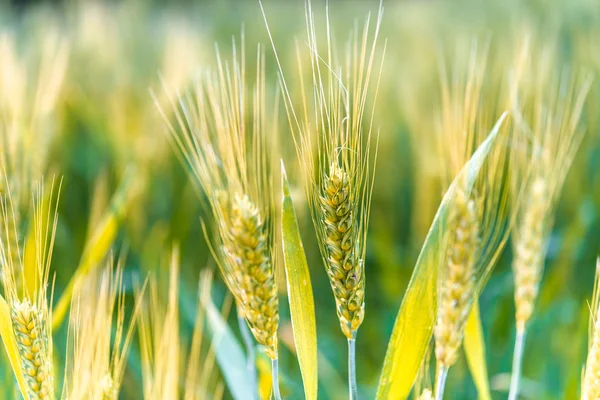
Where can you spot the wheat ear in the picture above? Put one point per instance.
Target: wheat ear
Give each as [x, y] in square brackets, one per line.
[478, 221]
[548, 107]
[339, 182]
[246, 247]
[29, 313]
[344, 266]
[224, 132]
[590, 389]
[528, 262]
[29, 325]
[457, 288]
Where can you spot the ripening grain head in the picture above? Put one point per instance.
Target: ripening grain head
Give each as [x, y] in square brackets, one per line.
[27, 97]
[98, 336]
[30, 314]
[332, 132]
[163, 355]
[479, 219]
[158, 331]
[225, 131]
[548, 102]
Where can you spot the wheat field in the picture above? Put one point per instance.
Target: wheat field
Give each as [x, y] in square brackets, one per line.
[300, 200]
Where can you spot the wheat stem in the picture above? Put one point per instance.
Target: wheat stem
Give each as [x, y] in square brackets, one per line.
[440, 384]
[250, 354]
[426, 395]
[352, 386]
[516, 364]
[275, 378]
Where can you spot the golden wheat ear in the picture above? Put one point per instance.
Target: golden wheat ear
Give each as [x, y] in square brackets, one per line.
[333, 136]
[224, 130]
[28, 308]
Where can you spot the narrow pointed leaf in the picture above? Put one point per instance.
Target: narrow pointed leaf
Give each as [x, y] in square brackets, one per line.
[300, 295]
[230, 356]
[474, 345]
[413, 328]
[10, 345]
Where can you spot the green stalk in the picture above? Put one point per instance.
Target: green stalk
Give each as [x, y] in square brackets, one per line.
[440, 385]
[352, 386]
[516, 364]
[250, 353]
[275, 376]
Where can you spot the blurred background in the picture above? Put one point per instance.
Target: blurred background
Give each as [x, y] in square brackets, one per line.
[84, 71]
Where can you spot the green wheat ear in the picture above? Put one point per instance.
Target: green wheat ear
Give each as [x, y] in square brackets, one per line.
[342, 245]
[29, 325]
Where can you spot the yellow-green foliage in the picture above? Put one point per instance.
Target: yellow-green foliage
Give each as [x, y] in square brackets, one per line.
[484, 111]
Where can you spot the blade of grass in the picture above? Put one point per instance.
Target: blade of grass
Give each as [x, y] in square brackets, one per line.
[97, 246]
[10, 345]
[300, 295]
[474, 345]
[413, 328]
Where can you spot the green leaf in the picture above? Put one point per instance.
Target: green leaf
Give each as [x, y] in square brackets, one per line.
[230, 356]
[300, 295]
[414, 324]
[474, 345]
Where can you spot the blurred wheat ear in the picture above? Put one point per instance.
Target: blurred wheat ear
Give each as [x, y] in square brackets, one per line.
[548, 104]
[30, 90]
[159, 337]
[413, 329]
[479, 218]
[99, 346]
